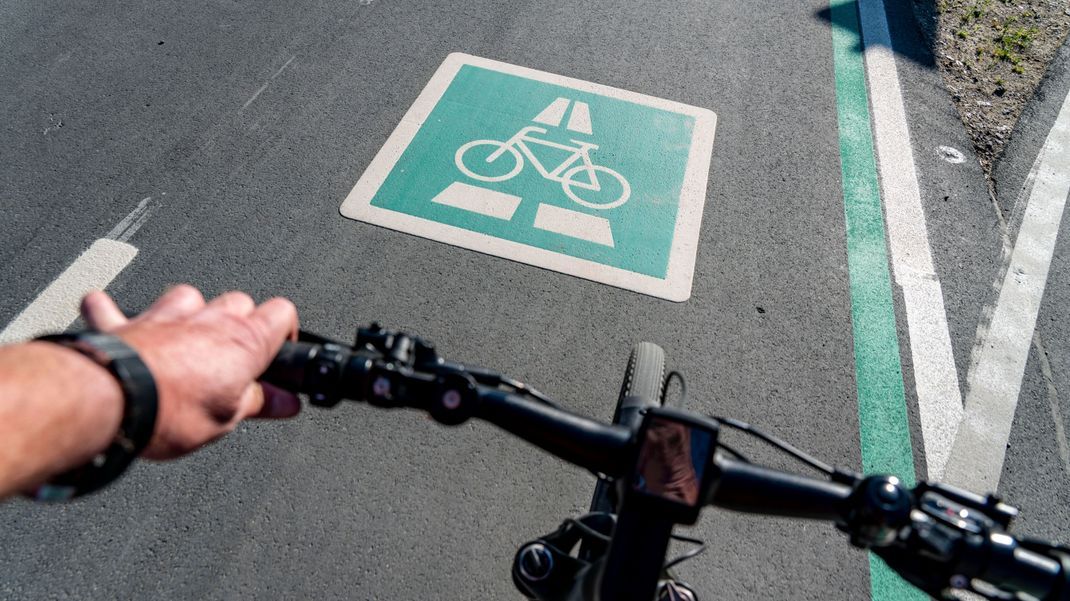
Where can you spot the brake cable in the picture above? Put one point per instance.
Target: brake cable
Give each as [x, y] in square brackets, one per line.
[771, 440]
[698, 550]
[731, 451]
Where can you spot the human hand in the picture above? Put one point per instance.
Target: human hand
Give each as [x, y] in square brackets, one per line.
[205, 358]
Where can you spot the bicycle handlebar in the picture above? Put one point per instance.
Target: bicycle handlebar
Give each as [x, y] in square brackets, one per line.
[329, 373]
[935, 536]
[753, 488]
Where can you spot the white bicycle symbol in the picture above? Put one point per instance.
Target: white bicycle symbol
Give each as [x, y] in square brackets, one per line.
[567, 173]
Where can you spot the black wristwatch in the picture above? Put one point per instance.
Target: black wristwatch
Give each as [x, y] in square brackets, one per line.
[135, 429]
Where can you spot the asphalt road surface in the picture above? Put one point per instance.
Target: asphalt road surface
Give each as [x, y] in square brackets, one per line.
[247, 124]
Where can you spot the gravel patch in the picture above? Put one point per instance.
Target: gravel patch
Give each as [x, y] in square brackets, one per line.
[993, 54]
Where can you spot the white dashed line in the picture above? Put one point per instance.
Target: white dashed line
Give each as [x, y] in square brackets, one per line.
[56, 307]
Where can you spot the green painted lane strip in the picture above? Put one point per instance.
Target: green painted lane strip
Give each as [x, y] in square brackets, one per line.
[884, 430]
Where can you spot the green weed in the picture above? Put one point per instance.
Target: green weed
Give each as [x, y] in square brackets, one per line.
[1012, 42]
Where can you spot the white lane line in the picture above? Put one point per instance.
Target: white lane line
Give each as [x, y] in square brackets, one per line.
[56, 308]
[266, 84]
[995, 381]
[939, 397]
[478, 200]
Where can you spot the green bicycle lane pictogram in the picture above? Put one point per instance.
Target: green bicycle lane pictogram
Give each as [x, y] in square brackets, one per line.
[572, 176]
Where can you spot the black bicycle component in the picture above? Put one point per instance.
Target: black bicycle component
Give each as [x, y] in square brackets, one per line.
[950, 545]
[642, 388]
[636, 554]
[880, 509]
[936, 536]
[551, 568]
[755, 489]
[673, 467]
[672, 590]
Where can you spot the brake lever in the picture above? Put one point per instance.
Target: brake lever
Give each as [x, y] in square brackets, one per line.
[944, 523]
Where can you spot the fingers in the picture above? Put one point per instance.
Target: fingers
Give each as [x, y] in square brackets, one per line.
[276, 321]
[278, 403]
[262, 400]
[181, 301]
[101, 313]
[235, 303]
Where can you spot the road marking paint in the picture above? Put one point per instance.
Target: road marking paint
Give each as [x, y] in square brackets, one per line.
[56, 308]
[995, 378]
[575, 224]
[132, 222]
[935, 376]
[473, 122]
[479, 200]
[553, 113]
[882, 416]
[580, 119]
[266, 84]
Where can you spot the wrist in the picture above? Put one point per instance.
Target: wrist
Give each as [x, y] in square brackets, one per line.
[57, 411]
[140, 404]
[96, 403]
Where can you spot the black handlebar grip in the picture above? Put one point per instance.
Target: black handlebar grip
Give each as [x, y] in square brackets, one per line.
[288, 368]
[753, 488]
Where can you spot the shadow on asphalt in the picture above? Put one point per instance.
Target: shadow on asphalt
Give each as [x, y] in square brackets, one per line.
[912, 25]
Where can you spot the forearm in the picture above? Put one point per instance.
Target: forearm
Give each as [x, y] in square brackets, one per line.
[57, 410]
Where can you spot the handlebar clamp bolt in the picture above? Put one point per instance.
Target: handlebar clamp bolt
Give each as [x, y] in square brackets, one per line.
[535, 562]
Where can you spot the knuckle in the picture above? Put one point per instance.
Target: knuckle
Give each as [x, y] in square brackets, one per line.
[184, 291]
[244, 334]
